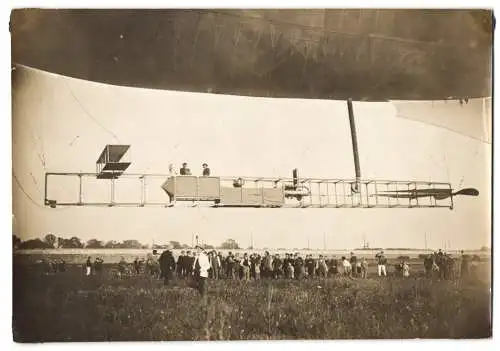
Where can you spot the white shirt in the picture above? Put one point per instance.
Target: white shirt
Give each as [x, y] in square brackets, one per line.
[204, 263]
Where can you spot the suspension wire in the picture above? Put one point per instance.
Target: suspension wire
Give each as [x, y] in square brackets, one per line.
[20, 186]
[29, 197]
[75, 98]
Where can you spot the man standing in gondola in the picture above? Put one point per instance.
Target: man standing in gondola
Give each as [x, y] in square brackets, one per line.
[206, 170]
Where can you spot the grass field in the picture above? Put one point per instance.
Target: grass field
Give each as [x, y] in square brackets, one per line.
[71, 307]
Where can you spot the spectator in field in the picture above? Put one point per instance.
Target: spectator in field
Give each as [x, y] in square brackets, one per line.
[216, 264]
[152, 265]
[137, 266]
[201, 266]
[245, 266]
[406, 269]
[230, 266]
[185, 170]
[256, 263]
[440, 261]
[435, 269]
[180, 264]
[52, 266]
[364, 268]
[98, 265]
[347, 267]
[122, 266]
[61, 265]
[310, 265]
[450, 267]
[286, 265]
[167, 266]
[290, 269]
[277, 267]
[267, 271]
[88, 267]
[333, 267]
[206, 170]
[322, 267]
[298, 266]
[381, 262]
[353, 261]
[358, 269]
[399, 268]
[428, 261]
[238, 269]
[220, 274]
[189, 262]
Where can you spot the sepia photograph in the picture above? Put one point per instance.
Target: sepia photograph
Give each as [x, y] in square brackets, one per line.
[251, 174]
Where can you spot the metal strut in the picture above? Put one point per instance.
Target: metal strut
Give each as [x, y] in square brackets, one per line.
[355, 187]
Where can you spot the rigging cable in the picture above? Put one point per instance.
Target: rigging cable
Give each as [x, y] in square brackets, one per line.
[24, 191]
[88, 113]
[29, 197]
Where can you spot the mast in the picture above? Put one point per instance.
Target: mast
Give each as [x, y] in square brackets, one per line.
[354, 138]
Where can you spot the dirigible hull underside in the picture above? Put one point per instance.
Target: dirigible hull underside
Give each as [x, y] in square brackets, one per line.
[367, 55]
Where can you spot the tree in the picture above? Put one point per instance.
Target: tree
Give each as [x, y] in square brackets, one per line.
[131, 244]
[50, 240]
[175, 245]
[208, 247]
[229, 244]
[75, 243]
[60, 242]
[94, 244]
[111, 244]
[33, 244]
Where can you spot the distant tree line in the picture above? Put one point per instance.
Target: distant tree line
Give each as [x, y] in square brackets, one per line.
[51, 241]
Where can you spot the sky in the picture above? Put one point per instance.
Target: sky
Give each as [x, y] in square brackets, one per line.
[62, 124]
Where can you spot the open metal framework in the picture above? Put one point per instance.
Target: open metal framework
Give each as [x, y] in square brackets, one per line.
[296, 193]
[260, 192]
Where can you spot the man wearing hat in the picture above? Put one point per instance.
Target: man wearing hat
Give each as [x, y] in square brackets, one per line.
[206, 170]
[167, 265]
[201, 267]
[381, 262]
[185, 170]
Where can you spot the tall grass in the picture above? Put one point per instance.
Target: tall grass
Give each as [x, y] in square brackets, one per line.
[72, 307]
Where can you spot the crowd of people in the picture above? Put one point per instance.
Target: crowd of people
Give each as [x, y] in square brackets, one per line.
[443, 265]
[275, 266]
[202, 265]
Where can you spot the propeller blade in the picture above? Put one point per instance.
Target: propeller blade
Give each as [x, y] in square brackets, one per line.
[467, 192]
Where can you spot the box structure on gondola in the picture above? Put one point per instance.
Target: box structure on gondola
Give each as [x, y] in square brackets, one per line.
[113, 161]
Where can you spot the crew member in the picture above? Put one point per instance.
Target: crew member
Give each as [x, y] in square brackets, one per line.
[206, 170]
[185, 170]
